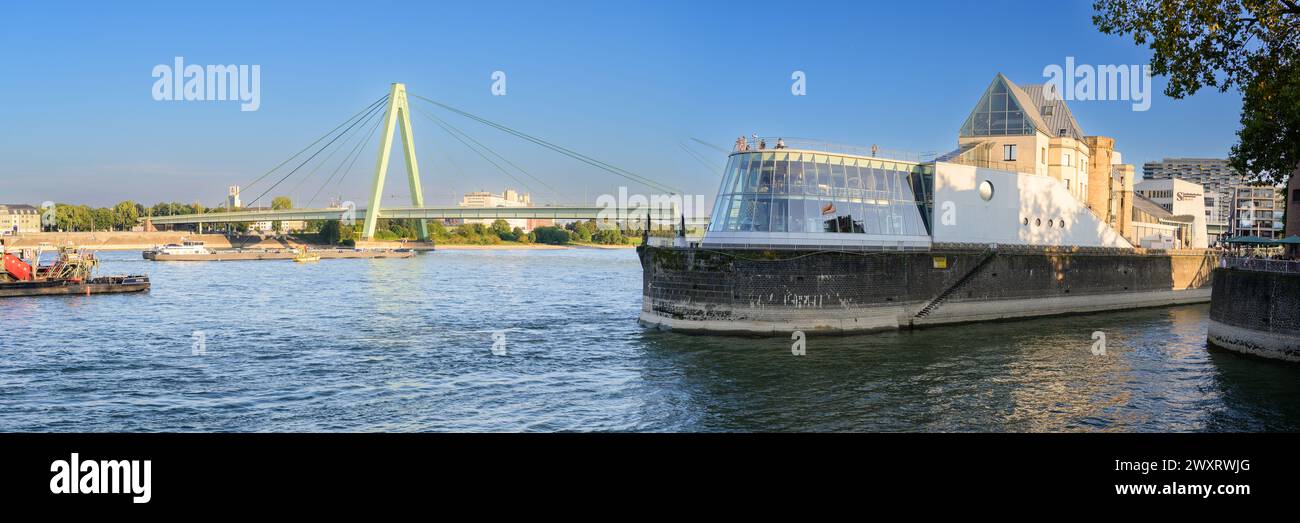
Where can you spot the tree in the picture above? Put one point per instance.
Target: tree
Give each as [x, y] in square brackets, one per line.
[125, 215]
[102, 219]
[551, 235]
[1250, 45]
[281, 202]
[329, 232]
[501, 228]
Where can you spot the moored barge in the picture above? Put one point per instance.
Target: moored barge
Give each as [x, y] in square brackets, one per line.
[196, 251]
[70, 273]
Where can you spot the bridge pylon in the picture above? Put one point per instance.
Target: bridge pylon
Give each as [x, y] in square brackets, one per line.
[398, 111]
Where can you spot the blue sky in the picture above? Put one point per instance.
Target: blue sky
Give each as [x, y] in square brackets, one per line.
[622, 82]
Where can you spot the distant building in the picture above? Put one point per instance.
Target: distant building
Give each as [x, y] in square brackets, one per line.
[1259, 211]
[268, 226]
[1184, 201]
[509, 198]
[18, 218]
[1214, 175]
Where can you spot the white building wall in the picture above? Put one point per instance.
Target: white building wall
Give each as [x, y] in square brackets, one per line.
[1180, 197]
[962, 216]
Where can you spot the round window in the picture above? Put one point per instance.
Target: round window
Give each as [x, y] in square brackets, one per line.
[1026, 222]
[1038, 222]
[986, 190]
[1062, 224]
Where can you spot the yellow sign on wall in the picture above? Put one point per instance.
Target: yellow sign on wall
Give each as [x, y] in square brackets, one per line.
[940, 262]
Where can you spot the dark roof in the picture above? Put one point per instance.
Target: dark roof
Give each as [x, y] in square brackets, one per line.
[1144, 204]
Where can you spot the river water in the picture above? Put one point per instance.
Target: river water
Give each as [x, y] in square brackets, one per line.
[407, 345]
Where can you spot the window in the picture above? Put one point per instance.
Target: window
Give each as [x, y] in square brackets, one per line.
[1295, 196]
[1065, 159]
[1044, 156]
[1047, 110]
[1009, 153]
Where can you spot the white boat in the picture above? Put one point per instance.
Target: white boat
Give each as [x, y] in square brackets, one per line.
[185, 247]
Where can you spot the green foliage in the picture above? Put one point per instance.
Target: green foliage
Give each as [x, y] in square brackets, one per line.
[475, 234]
[438, 231]
[551, 235]
[582, 231]
[609, 237]
[125, 214]
[501, 227]
[281, 202]
[329, 232]
[1250, 45]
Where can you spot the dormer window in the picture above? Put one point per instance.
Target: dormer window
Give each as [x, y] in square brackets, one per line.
[1047, 110]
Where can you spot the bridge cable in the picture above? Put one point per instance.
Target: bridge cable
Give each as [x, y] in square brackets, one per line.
[304, 162]
[341, 146]
[318, 140]
[711, 146]
[712, 168]
[360, 134]
[353, 155]
[446, 125]
[562, 150]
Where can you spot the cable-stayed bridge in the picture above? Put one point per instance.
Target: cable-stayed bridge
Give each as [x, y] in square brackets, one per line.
[388, 115]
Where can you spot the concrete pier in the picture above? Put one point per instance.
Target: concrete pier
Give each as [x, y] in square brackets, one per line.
[1256, 312]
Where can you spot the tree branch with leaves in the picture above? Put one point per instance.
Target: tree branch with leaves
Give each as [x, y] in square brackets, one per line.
[1248, 45]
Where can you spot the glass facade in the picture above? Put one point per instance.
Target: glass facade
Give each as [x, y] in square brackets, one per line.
[804, 192]
[998, 114]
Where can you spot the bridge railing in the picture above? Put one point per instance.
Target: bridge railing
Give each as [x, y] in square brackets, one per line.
[1260, 264]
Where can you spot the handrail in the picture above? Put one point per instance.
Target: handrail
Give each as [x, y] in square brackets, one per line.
[1259, 264]
[777, 143]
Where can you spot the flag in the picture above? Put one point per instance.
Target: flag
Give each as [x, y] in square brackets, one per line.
[828, 208]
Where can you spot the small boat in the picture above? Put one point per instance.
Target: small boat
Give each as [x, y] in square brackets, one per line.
[304, 256]
[71, 273]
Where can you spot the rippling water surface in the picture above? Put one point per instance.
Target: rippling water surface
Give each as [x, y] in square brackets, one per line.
[405, 345]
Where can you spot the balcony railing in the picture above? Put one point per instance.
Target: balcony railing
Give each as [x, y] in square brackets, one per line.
[768, 143]
[990, 164]
[1260, 264]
